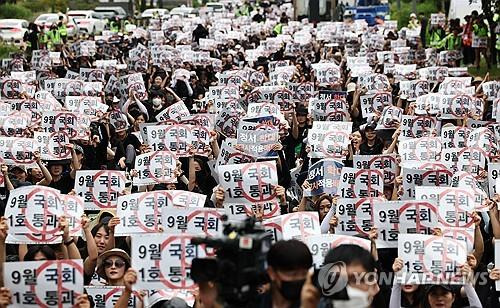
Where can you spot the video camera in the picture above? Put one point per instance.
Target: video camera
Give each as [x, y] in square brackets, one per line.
[241, 262]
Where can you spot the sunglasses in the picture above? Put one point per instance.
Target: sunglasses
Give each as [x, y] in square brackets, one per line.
[117, 263]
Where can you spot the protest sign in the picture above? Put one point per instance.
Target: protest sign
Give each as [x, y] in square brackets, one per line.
[185, 198]
[470, 159]
[455, 204]
[460, 105]
[430, 259]
[297, 225]
[155, 167]
[358, 183]
[335, 109]
[17, 151]
[107, 296]
[74, 124]
[179, 139]
[392, 218]
[319, 245]
[428, 104]
[194, 221]
[324, 177]
[329, 139]
[465, 180]
[53, 146]
[34, 211]
[386, 162]
[493, 176]
[140, 212]
[327, 74]
[412, 89]
[374, 103]
[355, 215]
[164, 261]
[454, 136]
[44, 283]
[418, 126]
[174, 112]
[420, 149]
[390, 118]
[419, 176]
[256, 139]
[99, 189]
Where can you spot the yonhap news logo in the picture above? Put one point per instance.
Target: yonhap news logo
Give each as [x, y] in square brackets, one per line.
[332, 278]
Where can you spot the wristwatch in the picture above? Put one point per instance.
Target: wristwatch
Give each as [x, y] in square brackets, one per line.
[71, 241]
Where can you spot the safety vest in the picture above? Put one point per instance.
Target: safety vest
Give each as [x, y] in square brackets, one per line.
[54, 37]
[480, 31]
[435, 40]
[452, 42]
[63, 31]
[277, 29]
[114, 27]
[42, 38]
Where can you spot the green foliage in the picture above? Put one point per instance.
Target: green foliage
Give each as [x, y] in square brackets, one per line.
[14, 11]
[403, 15]
[6, 49]
[83, 4]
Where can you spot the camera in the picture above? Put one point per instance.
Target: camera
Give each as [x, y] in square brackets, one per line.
[240, 264]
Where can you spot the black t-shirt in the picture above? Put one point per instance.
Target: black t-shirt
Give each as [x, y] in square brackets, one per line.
[65, 184]
[377, 148]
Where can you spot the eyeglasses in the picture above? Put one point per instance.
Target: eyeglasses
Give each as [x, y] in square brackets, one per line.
[117, 263]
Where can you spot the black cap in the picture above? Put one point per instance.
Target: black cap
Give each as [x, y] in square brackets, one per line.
[301, 110]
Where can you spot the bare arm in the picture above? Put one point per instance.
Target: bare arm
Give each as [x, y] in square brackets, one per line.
[75, 164]
[192, 174]
[47, 177]
[3, 235]
[6, 178]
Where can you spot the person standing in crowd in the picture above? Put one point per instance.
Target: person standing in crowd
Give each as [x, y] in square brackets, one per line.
[63, 30]
[481, 31]
[413, 24]
[31, 38]
[468, 51]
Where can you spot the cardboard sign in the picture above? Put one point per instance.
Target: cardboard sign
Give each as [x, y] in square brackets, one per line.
[327, 74]
[229, 155]
[52, 146]
[133, 82]
[375, 103]
[358, 183]
[155, 167]
[385, 162]
[420, 149]
[194, 221]
[418, 126]
[319, 245]
[44, 283]
[164, 261]
[470, 159]
[460, 106]
[92, 74]
[392, 218]
[335, 109]
[34, 211]
[88, 105]
[324, 177]
[140, 212]
[465, 180]
[329, 139]
[493, 175]
[107, 296]
[355, 215]
[430, 259]
[491, 89]
[99, 189]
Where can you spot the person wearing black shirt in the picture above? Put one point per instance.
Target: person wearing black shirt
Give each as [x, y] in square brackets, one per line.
[371, 143]
[61, 179]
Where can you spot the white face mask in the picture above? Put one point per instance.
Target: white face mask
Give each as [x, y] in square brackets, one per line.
[357, 299]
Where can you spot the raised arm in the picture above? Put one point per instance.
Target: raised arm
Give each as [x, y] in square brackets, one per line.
[47, 177]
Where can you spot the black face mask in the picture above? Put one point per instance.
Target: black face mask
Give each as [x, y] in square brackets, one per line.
[290, 290]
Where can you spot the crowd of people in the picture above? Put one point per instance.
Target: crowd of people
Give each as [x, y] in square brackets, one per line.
[383, 94]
